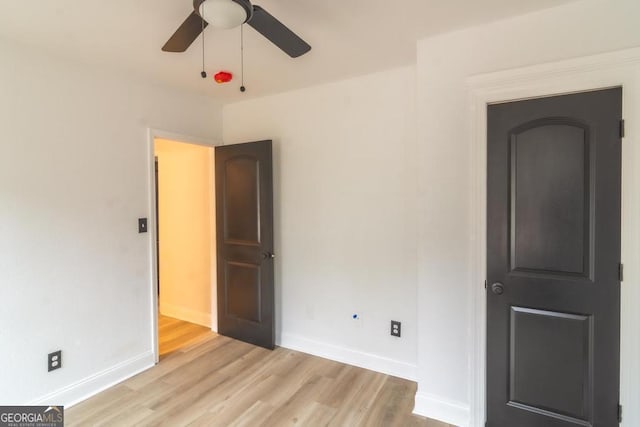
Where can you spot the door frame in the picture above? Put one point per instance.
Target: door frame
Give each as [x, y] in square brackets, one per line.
[619, 68]
[152, 134]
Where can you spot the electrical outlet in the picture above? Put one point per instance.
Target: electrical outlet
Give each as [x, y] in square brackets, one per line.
[54, 360]
[395, 328]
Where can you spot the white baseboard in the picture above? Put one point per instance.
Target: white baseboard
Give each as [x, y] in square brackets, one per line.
[186, 314]
[94, 384]
[349, 356]
[441, 409]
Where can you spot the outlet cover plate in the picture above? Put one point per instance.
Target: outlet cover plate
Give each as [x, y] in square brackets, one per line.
[396, 328]
[54, 360]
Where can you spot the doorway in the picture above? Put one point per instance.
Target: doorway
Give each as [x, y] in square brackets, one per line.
[202, 188]
[616, 69]
[553, 258]
[186, 270]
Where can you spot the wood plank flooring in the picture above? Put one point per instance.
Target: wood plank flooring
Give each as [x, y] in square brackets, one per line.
[174, 334]
[218, 381]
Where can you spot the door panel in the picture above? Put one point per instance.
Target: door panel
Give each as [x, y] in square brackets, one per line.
[243, 291]
[553, 250]
[540, 378]
[244, 219]
[242, 201]
[549, 230]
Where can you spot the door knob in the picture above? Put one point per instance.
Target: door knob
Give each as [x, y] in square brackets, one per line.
[497, 288]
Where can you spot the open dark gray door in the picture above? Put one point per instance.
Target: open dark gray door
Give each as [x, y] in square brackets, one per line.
[553, 254]
[244, 228]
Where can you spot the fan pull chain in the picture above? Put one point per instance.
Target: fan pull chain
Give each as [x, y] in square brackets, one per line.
[203, 74]
[242, 88]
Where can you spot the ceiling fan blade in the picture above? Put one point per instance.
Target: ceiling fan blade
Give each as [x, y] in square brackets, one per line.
[276, 32]
[185, 34]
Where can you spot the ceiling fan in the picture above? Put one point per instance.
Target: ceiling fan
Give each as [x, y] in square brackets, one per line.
[232, 13]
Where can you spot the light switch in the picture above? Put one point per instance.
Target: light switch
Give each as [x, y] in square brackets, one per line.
[142, 225]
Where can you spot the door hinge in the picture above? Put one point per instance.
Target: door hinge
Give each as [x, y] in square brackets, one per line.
[621, 272]
[621, 128]
[619, 413]
[485, 284]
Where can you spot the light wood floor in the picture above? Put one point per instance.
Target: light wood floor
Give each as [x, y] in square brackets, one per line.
[218, 381]
[174, 334]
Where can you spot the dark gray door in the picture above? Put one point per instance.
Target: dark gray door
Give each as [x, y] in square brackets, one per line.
[244, 229]
[553, 253]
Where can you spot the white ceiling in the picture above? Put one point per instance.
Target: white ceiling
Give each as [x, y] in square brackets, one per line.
[349, 37]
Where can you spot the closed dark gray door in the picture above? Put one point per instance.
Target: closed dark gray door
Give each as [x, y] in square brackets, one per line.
[244, 228]
[553, 253]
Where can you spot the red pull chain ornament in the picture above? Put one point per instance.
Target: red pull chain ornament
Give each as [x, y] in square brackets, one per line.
[223, 77]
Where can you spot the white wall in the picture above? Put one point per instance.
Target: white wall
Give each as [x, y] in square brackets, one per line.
[185, 253]
[74, 178]
[345, 215]
[444, 140]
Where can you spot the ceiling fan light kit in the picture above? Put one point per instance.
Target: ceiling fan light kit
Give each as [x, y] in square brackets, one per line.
[225, 14]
